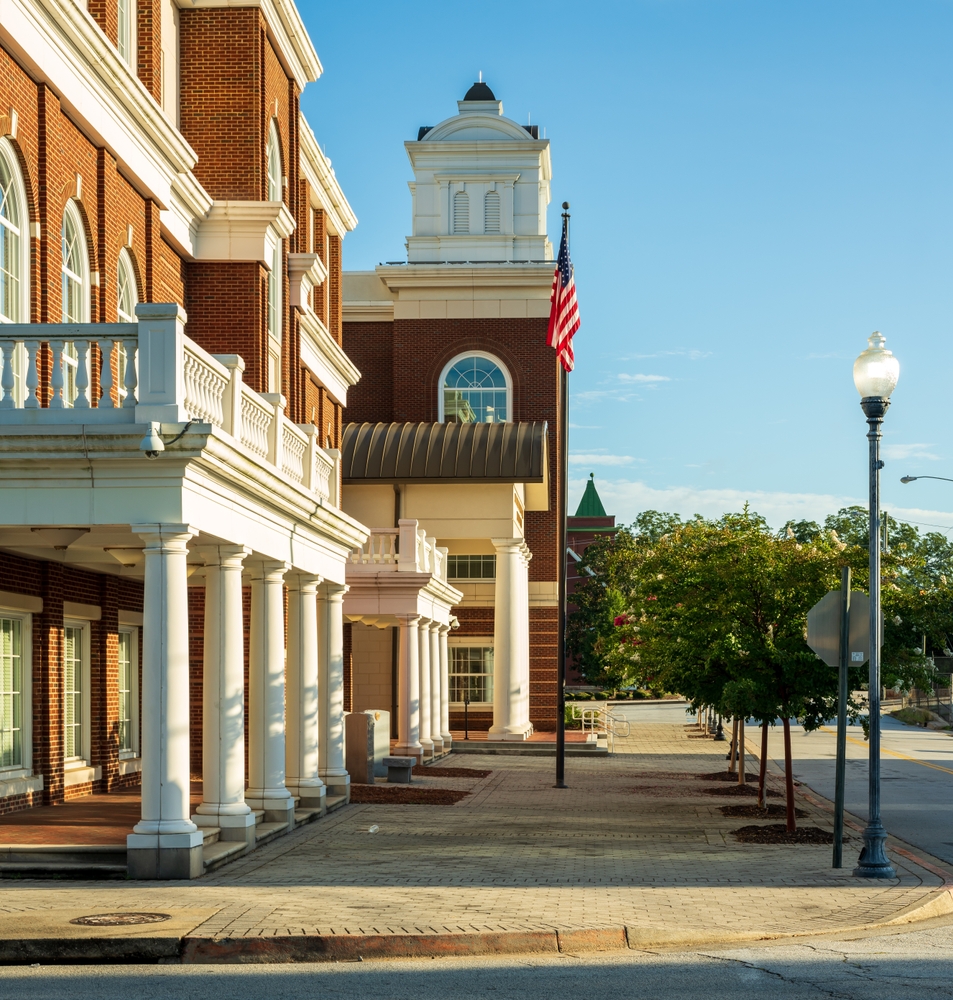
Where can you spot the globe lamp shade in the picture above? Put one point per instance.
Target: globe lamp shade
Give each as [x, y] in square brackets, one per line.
[876, 370]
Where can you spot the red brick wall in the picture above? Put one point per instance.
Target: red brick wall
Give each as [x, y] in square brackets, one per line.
[371, 347]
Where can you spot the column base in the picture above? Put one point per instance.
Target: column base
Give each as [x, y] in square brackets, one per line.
[406, 751]
[230, 827]
[310, 796]
[278, 808]
[164, 856]
[338, 784]
[437, 745]
[447, 742]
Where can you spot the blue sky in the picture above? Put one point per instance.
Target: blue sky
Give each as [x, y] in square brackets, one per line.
[755, 187]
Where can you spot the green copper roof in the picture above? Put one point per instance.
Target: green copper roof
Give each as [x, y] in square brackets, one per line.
[590, 505]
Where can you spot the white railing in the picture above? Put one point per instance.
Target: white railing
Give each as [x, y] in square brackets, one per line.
[407, 548]
[97, 373]
[601, 720]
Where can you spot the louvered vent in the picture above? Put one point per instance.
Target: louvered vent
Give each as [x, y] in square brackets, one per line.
[491, 212]
[461, 212]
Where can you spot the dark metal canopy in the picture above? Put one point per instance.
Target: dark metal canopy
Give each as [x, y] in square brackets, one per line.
[450, 453]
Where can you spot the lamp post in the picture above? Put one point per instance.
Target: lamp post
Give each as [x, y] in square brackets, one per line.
[913, 479]
[876, 372]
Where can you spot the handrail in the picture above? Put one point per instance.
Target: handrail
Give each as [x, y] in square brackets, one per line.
[602, 720]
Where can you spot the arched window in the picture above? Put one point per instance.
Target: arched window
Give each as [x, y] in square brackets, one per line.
[461, 212]
[127, 296]
[275, 276]
[126, 31]
[491, 212]
[14, 257]
[74, 270]
[475, 388]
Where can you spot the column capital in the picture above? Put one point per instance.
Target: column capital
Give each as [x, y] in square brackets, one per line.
[165, 537]
[408, 619]
[332, 591]
[269, 570]
[306, 583]
[443, 629]
[229, 556]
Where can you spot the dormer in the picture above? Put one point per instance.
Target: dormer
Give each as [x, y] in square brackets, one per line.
[480, 188]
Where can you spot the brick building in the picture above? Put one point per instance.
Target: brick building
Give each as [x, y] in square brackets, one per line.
[453, 424]
[172, 545]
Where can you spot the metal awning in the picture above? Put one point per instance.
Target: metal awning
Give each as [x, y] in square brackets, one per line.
[427, 453]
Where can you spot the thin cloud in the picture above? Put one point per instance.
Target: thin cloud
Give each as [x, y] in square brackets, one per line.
[901, 451]
[602, 459]
[692, 355]
[623, 377]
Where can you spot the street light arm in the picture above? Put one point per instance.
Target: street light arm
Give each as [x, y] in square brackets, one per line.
[912, 479]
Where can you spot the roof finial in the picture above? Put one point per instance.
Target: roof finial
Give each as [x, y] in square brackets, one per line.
[592, 475]
[481, 76]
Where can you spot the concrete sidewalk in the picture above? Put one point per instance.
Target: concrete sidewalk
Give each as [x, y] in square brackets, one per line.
[635, 853]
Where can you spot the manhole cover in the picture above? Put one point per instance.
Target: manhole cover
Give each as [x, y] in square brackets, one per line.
[120, 919]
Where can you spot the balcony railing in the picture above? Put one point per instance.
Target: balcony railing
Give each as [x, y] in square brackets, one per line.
[407, 548]
[150, 372]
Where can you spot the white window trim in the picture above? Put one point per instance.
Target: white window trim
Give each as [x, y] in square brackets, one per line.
[133, 633]
[130, 57]
[83, 274]
[74, 763]
[468, 640]
[476, 354]
[125, 269]
[25, 768]
[23, 231]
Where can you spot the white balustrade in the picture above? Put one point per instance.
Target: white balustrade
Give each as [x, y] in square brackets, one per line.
[294, 445]
[418, 552]
[324, 474]
[256, 422]
[206, 382]
[380, 549]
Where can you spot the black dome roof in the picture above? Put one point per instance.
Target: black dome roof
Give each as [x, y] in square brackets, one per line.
[479, 92]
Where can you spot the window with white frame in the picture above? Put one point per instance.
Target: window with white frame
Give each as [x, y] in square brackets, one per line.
[127, 298]
[74, 270]
[128, 690]
[14, 688]
[471, 673]
[491, 212]
[14, 256]
[475, 388]
[76, 692]
[126, 31]
[471, 567]
[461, 213]
[275, 276]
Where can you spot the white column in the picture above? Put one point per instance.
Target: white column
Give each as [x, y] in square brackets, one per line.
[165, 843]
[445, 688]
[510, 643]
[436, 734]
[223, 698]
[423, 663]
[301, 693]
[266, 695]
[408, 689]
[331, 689]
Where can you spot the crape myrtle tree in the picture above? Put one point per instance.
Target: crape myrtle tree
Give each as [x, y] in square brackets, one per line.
[717, 610]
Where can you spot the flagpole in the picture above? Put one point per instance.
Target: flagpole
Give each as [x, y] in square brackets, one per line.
[563, 545]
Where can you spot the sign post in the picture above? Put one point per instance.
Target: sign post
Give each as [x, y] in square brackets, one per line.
[838, 630]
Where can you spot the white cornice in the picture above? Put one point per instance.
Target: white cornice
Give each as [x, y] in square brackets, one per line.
[305, 270]
[325, 358]
[286, 30]
[316, 168]
[369, 312]
[242, 230]
[61, 45]
[398, 276]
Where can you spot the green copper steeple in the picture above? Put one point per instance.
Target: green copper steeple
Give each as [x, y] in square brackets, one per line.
[590, 505]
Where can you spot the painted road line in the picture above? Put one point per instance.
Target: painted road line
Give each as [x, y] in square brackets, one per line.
[893, 753]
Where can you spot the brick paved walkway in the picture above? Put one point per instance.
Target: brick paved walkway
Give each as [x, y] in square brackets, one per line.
[636, 841]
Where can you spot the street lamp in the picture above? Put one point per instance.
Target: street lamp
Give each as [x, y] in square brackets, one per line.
[876, 372]
[913, 479]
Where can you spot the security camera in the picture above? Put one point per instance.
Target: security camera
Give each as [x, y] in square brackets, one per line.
[152, 444]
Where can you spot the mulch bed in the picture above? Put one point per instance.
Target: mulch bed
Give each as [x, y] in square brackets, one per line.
[725, 776]
[450, 772]
[751, 790]
[753, 812]
[406, 795]
[776, 833]
[661, 791]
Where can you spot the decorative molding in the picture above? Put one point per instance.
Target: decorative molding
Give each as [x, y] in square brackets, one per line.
[243, 230]
[21, 602]
[130, 617]
[316, 168]
[85, 612]
[305, 271]
[369, 312]
[325, 358]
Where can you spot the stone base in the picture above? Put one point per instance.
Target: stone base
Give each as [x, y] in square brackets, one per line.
[404, 751]
[447, 742]
[311, 797]
[438, 747]
[277, 808]
[338, 784]
[230, 827]
[164, 856]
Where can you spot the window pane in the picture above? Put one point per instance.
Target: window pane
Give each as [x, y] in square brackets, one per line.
[11, 750]
[471, 673]
[73, 693]
[475, 391]
[125, 691]
[471, 567]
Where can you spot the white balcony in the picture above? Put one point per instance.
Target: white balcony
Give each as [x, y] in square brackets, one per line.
[149, 372]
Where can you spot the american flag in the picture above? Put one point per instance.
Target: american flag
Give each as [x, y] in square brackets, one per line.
[564, 311]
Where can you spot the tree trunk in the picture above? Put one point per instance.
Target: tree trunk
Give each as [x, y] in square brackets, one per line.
[789, 776]
[741, 751]
[733, 750]
[762, 800]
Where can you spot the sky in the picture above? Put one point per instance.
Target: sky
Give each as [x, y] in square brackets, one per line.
[755, 188]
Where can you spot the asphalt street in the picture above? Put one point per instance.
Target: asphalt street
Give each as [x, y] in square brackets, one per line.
[907, 966]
